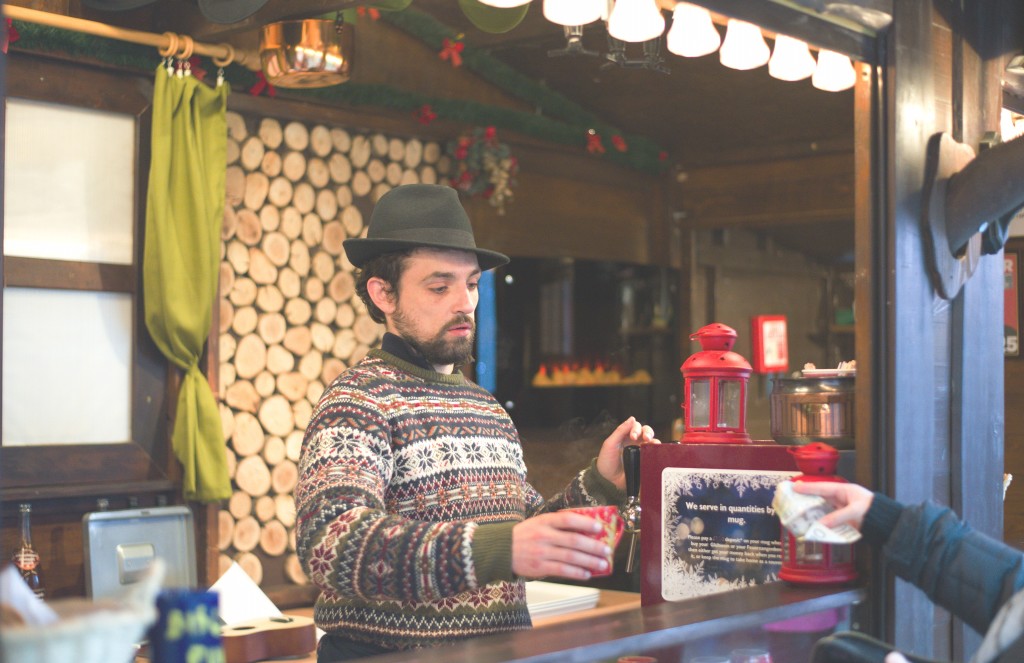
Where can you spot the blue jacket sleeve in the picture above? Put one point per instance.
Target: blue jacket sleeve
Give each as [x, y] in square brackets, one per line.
[964, 571]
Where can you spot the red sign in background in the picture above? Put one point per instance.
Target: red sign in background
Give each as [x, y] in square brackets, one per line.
[1011, 314]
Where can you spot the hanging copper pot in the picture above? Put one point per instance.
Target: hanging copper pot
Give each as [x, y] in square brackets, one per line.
[307, 53]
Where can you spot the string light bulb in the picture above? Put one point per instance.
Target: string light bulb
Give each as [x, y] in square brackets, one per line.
[834, 72]
[692, 34]
[791, 59]
[636, 21]
[574, 12]
[744, 46]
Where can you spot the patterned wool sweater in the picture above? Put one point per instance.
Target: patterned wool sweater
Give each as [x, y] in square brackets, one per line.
[410, 482]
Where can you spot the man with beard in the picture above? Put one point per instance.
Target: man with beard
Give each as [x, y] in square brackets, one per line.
[415, 519]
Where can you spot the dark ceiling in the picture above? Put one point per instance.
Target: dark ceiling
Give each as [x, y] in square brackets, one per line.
[700, 111]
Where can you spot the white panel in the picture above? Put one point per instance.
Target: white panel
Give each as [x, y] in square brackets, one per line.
[66, 367]
[69, 183]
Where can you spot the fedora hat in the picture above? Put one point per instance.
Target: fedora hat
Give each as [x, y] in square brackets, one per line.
[419, 215]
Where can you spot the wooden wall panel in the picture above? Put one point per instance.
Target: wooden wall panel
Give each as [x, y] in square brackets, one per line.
[787, 191]
[555, 216]
[384, 53]
[912, 433]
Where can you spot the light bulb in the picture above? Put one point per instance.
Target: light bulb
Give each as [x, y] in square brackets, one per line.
[692, 33]
[744, 46]
[636, 20]
[574, 12]
[791, 59]
[834, 72]
[504, 4]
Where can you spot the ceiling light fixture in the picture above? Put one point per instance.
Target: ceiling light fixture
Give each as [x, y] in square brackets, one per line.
[574, 12]
[791, 59]
[505, 4]
[744, 46]
[692, 34]
[573, 43]
[636, 20]
[834, 72]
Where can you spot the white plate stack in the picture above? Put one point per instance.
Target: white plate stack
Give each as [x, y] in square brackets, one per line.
[546, 599]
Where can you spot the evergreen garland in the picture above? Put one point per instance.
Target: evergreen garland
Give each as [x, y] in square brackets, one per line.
[565, 122]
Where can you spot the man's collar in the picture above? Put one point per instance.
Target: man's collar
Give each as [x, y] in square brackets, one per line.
[397, 346]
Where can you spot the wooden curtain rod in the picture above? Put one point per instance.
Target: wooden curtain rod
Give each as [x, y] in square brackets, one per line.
[167, 44]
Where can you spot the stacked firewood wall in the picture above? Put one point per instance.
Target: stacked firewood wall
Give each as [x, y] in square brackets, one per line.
[290, 320]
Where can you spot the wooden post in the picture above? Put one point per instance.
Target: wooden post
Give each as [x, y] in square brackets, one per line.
[939, 386]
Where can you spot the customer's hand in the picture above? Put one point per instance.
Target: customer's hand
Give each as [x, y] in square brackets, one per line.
[850, 501]
[558, 544]
[609, 460]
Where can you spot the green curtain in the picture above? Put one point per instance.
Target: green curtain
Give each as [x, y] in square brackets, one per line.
[184, 212]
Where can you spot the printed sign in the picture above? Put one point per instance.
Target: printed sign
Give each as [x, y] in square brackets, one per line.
[770, 344]
[719, 531]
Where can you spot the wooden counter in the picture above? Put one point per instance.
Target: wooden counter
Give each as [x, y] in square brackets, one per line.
[618, 625]
[608, 602]
[664, 629]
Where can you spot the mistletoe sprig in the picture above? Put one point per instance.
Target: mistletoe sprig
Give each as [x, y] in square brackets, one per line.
[483, 166]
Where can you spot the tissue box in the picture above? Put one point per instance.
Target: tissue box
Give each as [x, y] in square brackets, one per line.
[84, 634]
[81, 630]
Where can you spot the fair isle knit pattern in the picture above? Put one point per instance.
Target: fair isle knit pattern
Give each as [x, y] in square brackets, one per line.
[400, 467]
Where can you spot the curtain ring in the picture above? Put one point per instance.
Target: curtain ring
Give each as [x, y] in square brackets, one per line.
[188, 45]
[172, 45]
[228, 58]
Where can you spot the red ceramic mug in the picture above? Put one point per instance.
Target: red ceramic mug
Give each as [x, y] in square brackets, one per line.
[611, 533]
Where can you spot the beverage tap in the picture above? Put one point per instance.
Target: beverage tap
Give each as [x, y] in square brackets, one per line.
[631, 513]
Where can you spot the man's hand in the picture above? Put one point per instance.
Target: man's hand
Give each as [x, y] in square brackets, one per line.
[557, 544]
[850, 501]
[609, 460]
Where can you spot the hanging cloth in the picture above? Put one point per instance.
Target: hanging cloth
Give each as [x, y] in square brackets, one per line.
[184, 213]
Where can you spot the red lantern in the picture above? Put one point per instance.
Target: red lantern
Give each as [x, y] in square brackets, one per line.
[715, 389]
[811, 562]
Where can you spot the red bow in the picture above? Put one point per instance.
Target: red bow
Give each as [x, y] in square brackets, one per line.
[10, 36]
[373, 12]
[193, 66]
[262, 84]
[452, 50]
[594, 145]
[619, 142]
[425, 114]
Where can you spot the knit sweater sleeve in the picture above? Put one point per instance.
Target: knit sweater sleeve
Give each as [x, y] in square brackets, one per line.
[587, 488]
[348, 542]
[492, 543]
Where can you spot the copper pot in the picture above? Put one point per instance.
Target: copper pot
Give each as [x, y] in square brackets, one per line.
[813, 409]
[306, 54]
